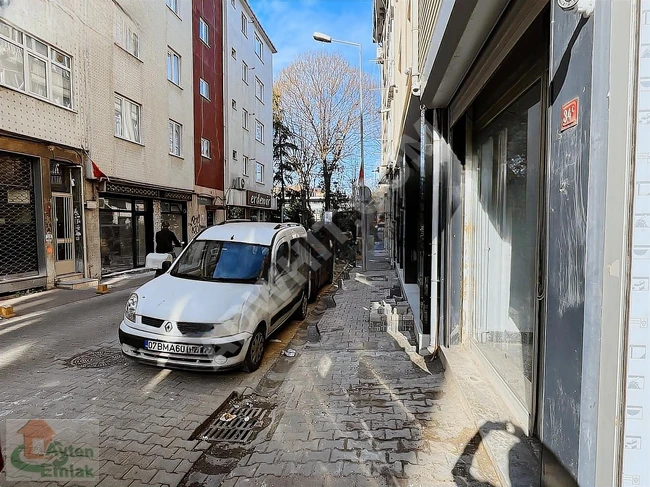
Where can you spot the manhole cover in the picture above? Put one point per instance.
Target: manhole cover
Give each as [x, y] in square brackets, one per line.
[246, 421]
[95, 359]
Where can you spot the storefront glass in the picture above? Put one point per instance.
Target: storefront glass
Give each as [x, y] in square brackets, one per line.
[507, 152]
[123, 233]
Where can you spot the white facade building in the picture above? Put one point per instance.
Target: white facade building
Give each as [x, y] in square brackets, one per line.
[140, 93]
[248, 113]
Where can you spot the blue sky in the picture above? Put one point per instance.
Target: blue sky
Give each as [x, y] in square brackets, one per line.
[291, 23]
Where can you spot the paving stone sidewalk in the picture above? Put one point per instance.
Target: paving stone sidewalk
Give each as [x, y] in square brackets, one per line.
[361, 408]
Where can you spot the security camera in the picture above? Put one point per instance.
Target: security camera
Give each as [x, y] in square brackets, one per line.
[416, 90]
[583, 7]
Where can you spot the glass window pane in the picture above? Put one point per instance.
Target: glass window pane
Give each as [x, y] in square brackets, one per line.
[37, 76]
[11, 33]
[118, 116]
[116, 240]
[36, 46]
[12, 65]
[60, 58]
[61, 86]
[508, 153]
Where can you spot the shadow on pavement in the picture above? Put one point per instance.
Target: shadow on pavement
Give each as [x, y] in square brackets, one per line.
[462, 469]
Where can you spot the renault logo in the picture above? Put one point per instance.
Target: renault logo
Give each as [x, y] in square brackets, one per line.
[168, 327]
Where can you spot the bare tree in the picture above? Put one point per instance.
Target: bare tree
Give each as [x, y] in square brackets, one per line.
[319, 97]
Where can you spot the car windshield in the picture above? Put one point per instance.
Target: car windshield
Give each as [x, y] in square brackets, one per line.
[211, 260]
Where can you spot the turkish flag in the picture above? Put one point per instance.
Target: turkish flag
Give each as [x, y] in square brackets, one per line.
[361, 181]
[97, 173]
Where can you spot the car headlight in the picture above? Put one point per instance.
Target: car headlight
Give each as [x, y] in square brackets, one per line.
[131, 306]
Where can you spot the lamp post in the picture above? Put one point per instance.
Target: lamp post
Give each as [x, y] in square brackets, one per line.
[320, 37]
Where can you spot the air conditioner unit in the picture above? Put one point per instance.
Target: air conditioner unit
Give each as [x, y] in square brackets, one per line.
[380, 55]
[239, 183]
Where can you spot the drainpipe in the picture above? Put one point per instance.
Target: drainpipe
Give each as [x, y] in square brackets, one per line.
[431, 143]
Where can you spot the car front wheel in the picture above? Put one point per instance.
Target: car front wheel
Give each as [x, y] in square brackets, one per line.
[255, 352]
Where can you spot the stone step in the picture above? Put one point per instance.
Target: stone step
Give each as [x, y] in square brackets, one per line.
[76, 283]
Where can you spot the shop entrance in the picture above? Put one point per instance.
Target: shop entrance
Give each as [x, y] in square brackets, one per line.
[63, 219]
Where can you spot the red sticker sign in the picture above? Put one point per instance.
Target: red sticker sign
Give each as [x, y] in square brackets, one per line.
[569, 115]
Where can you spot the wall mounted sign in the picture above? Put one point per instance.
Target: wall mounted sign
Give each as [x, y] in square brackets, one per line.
[569, 115]
[258, 199]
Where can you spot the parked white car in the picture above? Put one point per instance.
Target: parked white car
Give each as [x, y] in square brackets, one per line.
[231, 288]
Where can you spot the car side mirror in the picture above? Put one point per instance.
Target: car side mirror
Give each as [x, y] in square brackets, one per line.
[166, 266]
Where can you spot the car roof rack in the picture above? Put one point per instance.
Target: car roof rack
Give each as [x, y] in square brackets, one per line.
[286, 225]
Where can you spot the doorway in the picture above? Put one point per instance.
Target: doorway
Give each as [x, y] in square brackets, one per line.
[63, 221]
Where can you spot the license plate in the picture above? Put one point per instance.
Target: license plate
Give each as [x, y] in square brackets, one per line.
[175, 348]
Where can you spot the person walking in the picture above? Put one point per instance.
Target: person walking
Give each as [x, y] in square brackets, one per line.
[165, 240]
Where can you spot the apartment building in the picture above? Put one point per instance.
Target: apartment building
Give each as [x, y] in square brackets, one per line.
[43, 100]
[516, 161]
[140, 87]
[209, 154]
[248, 95]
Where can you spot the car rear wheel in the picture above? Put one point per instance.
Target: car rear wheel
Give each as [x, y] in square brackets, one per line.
[301, 312]
[255, 352]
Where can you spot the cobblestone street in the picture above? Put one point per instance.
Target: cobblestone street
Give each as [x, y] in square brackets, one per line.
[358, 408]
[146, 414]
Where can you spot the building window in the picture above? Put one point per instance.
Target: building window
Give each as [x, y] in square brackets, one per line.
[244, 118]
[259, 172]
[34, 67]
[244, 24]
[204, 32]
[205, 148]
[173, 67]
[244, 72]
[259, 131]
[127, 119]
[259, 89]
[233, 53]
[204, 88]
[259, 48]
[175, 134]
[245, 165]
[126, 38]
[234, 104]
[173, 5]
[234, 155]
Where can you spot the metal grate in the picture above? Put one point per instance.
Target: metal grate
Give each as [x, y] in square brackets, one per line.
[97, 359]
[238, 430]
[18, 235]
[148, 320]
[194, 328]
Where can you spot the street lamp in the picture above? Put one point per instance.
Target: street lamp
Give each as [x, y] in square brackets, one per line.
[320, 37]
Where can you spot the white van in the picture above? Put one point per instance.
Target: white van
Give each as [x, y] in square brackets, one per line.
[232, 287]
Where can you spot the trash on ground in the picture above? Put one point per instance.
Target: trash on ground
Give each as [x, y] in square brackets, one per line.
[275, 340]
[247, 419]
[289, 352]
[227, 417]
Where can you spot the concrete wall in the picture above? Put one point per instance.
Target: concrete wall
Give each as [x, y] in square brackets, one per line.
[28, 115]
[144, 81]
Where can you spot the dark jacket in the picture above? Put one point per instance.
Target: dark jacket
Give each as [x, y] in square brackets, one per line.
[165, 240]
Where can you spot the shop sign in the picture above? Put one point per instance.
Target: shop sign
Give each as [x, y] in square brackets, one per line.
[258, 199]
[569, 115]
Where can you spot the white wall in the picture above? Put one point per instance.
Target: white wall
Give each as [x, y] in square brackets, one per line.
[113, 70]
[28, 115]
[237, 138]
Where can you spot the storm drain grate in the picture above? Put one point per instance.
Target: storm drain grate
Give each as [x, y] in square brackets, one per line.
[246, 422]
[96, 359]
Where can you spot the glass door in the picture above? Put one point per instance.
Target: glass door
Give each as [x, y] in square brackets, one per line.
[508, 158]
[63, 222]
